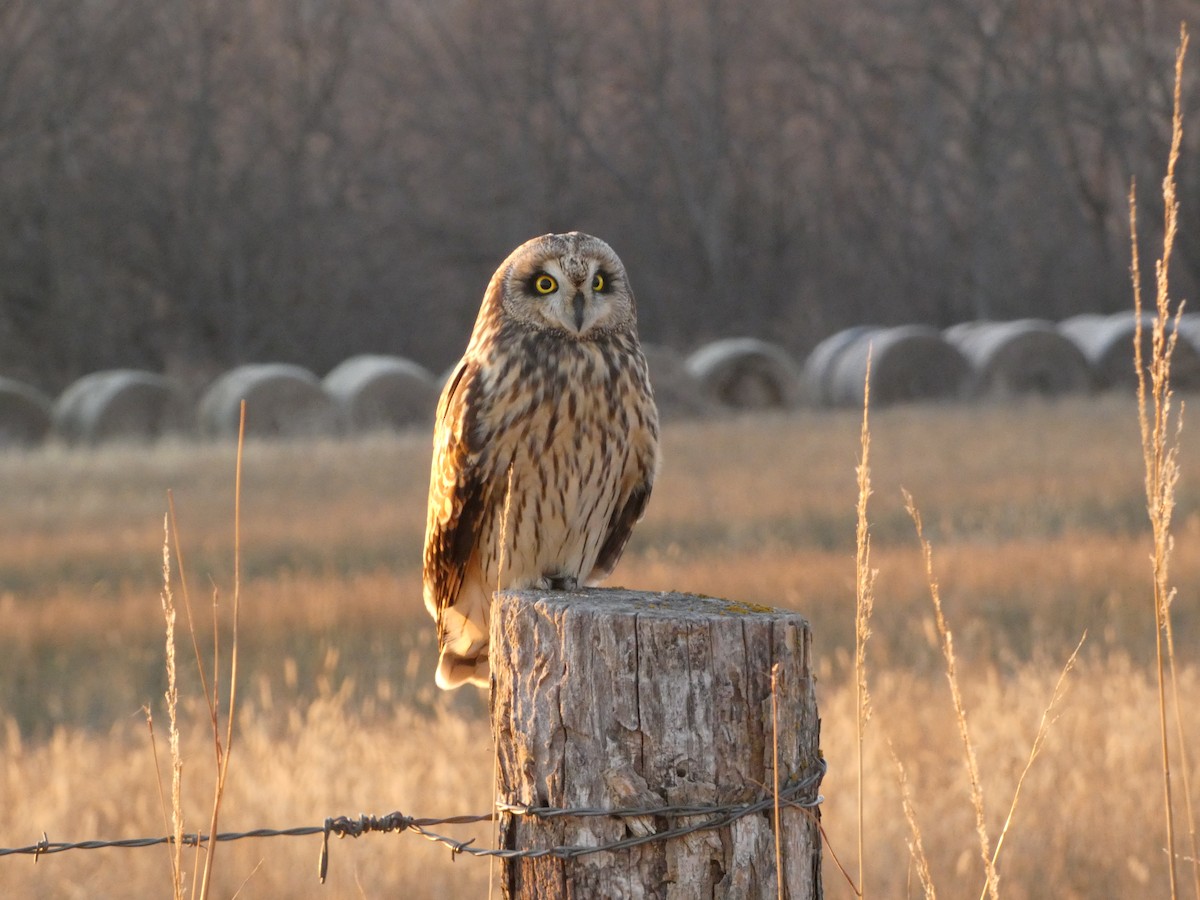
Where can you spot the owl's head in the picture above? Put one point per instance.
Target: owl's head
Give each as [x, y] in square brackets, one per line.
[573, 284]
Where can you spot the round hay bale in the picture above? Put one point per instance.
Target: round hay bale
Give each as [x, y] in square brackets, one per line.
[117, 404]
[908, 362]
[1097, 339]
[1026, 356]
[25, 414]
[819, 366]
[1189, 329]
[677, 393]
[281, 401]
[382, 392]
[1107, 344]
[746, 373]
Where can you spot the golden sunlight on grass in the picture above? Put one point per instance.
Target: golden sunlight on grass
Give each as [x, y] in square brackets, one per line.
[295, 765]
[1037, 513]
[1084, 825]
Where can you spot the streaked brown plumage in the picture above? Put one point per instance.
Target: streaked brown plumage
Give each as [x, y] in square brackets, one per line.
[546, 436]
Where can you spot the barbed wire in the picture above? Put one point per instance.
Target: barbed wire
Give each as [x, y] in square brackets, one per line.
[801, 793]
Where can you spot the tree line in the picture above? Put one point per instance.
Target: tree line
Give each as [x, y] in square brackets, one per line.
[190, 184]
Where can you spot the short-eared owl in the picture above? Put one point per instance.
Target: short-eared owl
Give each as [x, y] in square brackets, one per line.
[545, 445]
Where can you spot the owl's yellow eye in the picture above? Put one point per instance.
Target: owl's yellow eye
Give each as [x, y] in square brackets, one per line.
[545, 284]
[598, 282]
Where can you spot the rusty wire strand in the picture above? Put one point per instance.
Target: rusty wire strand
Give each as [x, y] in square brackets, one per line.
[800, 794]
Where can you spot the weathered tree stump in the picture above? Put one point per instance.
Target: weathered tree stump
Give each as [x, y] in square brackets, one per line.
[614, 699]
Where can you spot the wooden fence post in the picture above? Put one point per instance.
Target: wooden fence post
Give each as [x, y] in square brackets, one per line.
[615, 699]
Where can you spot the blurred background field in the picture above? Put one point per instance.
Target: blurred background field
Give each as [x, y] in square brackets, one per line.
[1037, 516]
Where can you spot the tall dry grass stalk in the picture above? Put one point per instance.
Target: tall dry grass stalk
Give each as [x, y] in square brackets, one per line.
[863, 606]
[223, 751]
[223, 744]
[1035, 749]
[992, 881]
[916, 847]
[172, 698]
[1160, 432]
[173, 821]
[176, 753]
[865, 582]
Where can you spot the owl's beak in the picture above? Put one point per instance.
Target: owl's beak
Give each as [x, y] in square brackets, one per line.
[578, 302]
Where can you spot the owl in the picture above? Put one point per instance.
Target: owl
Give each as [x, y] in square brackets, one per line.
[545, 446]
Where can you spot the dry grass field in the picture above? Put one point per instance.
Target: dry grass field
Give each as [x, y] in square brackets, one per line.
[1035, 511]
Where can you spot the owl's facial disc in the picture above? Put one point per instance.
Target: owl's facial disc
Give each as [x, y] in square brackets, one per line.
[573, 298]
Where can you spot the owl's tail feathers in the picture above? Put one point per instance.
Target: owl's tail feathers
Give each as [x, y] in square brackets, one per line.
[464, 655]
[454, 671]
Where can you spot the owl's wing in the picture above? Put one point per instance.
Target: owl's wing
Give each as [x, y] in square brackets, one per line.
[627, 514]
[457, 490]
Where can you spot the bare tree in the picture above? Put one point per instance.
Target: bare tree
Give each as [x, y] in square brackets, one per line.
[193, 183]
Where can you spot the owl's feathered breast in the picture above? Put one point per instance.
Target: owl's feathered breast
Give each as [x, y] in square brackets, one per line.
[545, 450]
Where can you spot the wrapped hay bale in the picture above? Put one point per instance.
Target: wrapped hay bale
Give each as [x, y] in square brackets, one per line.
[382, 392]
[1097, 339]
[745, 373]
[909, 362]
[1026, 356]
[1189, 329]
[676, 391]
[281, 401]
[1185, 363]
[1107, 344]
[819, 367]
[24, 414]
[118, 404]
